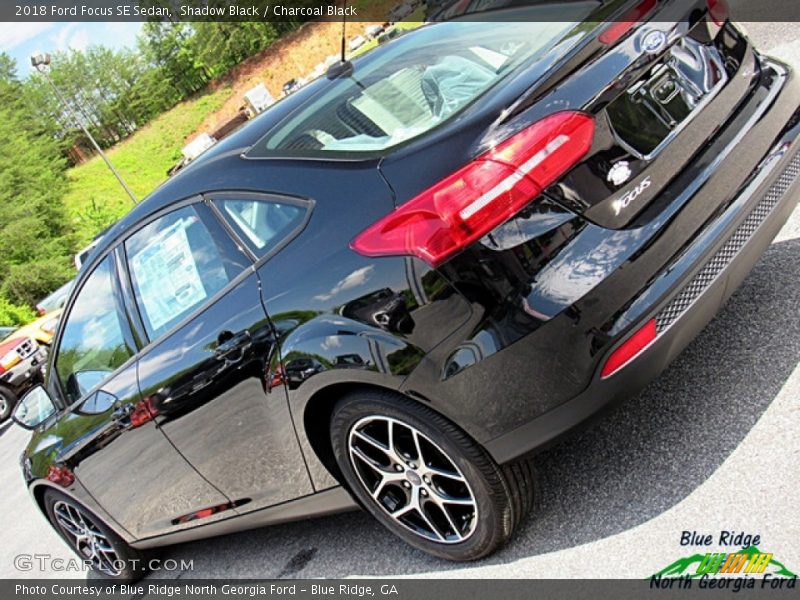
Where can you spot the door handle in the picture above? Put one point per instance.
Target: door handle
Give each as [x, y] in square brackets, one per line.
[231, 347]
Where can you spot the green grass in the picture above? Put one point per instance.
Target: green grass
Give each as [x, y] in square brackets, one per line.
[95, 198]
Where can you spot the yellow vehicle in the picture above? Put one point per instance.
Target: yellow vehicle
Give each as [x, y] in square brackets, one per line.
[42, 329]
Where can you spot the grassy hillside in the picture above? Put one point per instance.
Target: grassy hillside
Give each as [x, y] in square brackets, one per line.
[95, 199]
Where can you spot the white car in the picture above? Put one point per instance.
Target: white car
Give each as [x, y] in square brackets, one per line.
[357, 42]
[373, 31]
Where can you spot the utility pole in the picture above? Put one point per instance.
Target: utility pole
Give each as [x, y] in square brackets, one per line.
[41, 63]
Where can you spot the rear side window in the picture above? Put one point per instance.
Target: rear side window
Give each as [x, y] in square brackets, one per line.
[411, 86]
[177, 263]
[263, 223]
[96, 337]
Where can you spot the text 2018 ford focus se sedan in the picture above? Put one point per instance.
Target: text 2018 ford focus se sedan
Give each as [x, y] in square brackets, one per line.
[397, 283]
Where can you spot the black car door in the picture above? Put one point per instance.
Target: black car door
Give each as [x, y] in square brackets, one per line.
[204, 370]
[107, 438]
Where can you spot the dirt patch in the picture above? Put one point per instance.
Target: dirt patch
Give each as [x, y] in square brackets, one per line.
[293, 56]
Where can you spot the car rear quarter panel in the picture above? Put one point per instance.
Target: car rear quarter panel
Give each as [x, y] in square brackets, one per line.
[343, 319]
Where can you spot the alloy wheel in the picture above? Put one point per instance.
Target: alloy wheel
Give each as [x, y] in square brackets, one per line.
[412, 479]
[87, 538]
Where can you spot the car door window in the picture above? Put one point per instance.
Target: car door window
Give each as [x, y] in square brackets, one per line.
[96, 338]
[177, 263]
[263, 223]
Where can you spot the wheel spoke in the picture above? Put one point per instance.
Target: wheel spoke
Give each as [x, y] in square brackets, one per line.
[438, 501]
[71, 528]
[109, 559]
[103, 544]
[439, 472]
[415, 505]
[392, 451]
[66, 520]
[89, 541]
[417, 475]
[79, 518]
[387, 479]
[417, 445]
[447, 499]
[374, 443]
[369, 461]
[421, 510]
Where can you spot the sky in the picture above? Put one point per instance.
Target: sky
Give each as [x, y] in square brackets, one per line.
[20, 40]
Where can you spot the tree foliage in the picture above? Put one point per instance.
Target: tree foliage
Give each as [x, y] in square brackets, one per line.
[112, 93]
[34, 232]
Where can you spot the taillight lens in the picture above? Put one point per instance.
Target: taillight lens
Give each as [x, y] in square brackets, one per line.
[719, 11]
[468, 204]
[630, 349]
[620, 28]
[62, 476]
[144, 412]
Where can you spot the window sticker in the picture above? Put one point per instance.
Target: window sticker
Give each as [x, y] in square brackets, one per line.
[167, 275]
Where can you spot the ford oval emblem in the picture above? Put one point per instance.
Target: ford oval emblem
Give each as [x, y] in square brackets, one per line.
[654, 42]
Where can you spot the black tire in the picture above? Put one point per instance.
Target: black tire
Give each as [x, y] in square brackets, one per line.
[8, 400]
[130, 565]
[502, 496]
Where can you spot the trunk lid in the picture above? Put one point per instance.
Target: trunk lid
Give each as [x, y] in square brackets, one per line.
[680, 84]
[668, 83]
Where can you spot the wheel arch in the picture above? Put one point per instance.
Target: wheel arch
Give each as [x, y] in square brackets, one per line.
[317, 415]
[38, 487]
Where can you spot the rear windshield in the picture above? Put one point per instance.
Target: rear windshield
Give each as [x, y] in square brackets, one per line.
[416, 83]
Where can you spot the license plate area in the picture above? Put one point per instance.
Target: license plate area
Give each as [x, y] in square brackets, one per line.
[652, 111]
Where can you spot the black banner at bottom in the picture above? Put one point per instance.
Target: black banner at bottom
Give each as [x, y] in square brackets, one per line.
[401, 589]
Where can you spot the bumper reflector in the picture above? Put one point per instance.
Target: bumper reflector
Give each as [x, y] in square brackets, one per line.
[630, 348]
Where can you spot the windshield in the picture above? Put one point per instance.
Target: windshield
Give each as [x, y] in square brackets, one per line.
[416, 83]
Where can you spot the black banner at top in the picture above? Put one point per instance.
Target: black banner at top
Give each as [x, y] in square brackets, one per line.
[373, 10]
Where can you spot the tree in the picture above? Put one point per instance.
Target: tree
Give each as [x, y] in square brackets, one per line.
[34, 232]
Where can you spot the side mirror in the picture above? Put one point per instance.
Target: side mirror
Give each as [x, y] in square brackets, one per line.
[34, 408]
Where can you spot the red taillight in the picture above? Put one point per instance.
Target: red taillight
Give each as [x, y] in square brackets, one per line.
[719, 11]
[144, 412]
[60, 475]
[618, 29]
[468, 204]
[630, 349]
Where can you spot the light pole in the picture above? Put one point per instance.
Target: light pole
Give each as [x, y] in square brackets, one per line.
[41, 62]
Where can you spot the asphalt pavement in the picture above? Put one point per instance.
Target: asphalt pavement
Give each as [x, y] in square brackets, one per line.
[711, 445]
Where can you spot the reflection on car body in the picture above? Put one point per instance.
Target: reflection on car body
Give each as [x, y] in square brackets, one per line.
[394, 286]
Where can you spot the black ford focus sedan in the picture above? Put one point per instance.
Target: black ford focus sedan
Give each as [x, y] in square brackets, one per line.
[396, 284]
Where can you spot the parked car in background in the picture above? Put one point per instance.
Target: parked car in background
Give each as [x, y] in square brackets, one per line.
[473, 239]
[42, 329]
[6, 331]
[21, 361]
[400, 12]
[357, 42]
[389, 34]
[55, 300]
[84, 253]
[291, 86]
[373, 31]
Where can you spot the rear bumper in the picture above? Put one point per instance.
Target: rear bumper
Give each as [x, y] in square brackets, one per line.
[683, 298]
